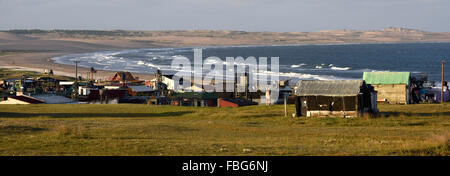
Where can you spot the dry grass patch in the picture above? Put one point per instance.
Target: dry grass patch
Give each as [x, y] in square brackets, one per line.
[127, 129]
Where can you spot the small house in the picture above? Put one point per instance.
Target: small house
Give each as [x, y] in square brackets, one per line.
[392, 87]
[195, 99]
[343, 98]
[122, 76]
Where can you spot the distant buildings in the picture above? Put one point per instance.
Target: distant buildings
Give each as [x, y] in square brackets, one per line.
[343, 98]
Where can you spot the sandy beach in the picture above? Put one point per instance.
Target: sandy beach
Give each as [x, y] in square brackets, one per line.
[33, 54]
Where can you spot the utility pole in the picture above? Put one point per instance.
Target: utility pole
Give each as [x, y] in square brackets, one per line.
[76, 70]
[442, 83]
[285, 105]
[76, 80]
[47, 66]
[246, 75]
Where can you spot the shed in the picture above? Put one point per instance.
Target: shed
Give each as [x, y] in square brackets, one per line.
[347, 98]
[392, 87]
[196, 99]
[141, 91]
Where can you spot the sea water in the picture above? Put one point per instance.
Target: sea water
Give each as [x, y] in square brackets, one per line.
[306, 62]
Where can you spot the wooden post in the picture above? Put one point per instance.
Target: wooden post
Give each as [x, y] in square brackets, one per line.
[361, 111]
[297, 106]
[318, 112]
[442, 83]
[285, 106]
[76, 79]
[343, 105]
[76, 70]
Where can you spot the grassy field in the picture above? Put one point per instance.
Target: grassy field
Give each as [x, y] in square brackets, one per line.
[126, 129]
[17, 74]
[2, 52]
[8, 52]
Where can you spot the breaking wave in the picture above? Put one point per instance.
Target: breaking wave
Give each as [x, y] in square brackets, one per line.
[297, 66]
[149, 60]
[340, 68]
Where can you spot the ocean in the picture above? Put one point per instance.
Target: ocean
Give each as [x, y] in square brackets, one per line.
[306, 62]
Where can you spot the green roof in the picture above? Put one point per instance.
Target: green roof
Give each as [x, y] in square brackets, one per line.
[386, 77]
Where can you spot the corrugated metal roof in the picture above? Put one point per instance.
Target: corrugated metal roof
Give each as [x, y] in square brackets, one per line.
[386, 77]
[328, 88]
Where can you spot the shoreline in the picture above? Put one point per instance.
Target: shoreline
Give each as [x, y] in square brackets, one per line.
[40, 62]
[32, 52]
[33, 55]
[221, 46]
[60, 69]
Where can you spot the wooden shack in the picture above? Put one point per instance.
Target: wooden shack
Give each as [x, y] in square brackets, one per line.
[140, 91]
[197, 99]
[337, 98]
[392, 87]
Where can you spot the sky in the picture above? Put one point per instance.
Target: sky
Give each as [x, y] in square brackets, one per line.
[246, 15]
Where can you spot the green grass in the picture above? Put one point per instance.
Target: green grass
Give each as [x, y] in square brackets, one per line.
[126, 129]
[17, 74]
[8, 52]
[2, 53]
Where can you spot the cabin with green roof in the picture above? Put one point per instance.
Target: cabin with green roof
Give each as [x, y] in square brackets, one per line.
[392, 87]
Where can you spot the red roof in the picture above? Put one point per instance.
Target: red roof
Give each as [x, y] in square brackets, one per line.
[119, 76]
[228, 102]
